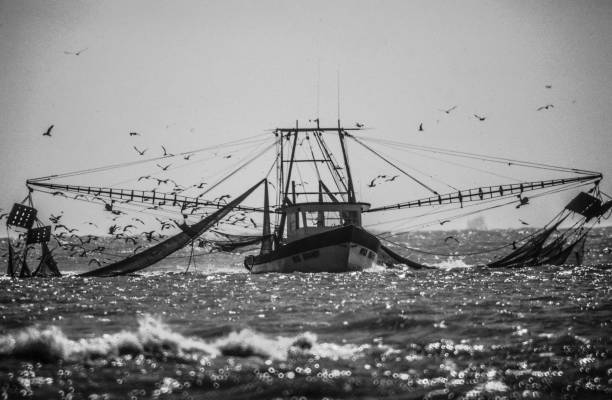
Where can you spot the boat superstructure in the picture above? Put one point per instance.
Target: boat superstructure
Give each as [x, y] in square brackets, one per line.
[316, 236]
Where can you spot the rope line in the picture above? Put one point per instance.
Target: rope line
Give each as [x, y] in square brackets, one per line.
[256, 156]
[482, 157]
[131, 163]
[454, 163]
[393, 165]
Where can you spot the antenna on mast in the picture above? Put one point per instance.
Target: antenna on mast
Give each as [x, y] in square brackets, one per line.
[318, 86]
[338, 81]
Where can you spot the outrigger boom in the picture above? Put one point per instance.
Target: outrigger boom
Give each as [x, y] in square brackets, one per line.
[486, 192]
[143, 196]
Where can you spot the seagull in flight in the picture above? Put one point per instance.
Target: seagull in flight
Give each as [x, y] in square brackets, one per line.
[392, 178]
[479, 117]
[163, 168]
[421, 127]
[134, 134]
[55, 218]
[448, 111]
[166, 154]
[222, 199]
[546, 107]
[523, 222]
[139, 151]
[48, 132]
[76, 53]
[358, 125]
[522, 201]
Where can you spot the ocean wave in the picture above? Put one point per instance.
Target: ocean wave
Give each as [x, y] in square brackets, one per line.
[154, 338]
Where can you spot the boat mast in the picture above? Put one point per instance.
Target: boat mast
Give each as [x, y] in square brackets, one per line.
[295, 135]
[266, 243]
[351, 192]
[281, 225]
[280, 170]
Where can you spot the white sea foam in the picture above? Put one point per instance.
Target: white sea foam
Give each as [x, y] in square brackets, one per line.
[153, 337]
[492, 386]
[452, 264]
[376, 268]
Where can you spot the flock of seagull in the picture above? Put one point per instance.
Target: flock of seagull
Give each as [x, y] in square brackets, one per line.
[122, 232]
[77, 245]
[480, 118]
[83, 246]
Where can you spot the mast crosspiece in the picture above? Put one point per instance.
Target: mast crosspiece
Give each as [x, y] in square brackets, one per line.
[344, 185]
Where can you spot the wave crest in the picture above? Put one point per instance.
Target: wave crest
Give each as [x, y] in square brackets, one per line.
[154, 338]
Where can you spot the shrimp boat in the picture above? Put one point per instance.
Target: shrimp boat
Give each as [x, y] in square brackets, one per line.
[315, 224]
[322, 236]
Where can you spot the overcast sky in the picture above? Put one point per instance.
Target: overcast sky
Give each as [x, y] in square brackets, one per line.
[190, 73]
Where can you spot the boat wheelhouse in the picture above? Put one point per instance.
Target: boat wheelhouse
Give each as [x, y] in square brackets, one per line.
[321, 237]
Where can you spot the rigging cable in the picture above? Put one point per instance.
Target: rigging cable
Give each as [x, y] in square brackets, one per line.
[334, 169]
[393, 165]
[483, 157]
[424, 173]
[254, 144]
[452, 163]
[256, 156]
[313, 157]
[131, 163]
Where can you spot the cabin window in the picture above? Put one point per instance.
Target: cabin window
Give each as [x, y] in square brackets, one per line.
[292, 222]
[363, 252]
[332, 218]
[350, 217]
[314, 219]
[371, 255]
[299, 220]
[309, 219]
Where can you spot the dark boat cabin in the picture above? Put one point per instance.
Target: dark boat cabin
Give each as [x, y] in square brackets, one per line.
[305, 219]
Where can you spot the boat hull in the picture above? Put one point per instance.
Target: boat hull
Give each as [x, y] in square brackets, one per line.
[349, 248]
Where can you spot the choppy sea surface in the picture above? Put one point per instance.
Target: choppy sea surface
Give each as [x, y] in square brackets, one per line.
[216, 332]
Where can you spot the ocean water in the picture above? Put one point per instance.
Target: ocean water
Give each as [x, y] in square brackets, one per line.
[216, 332]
